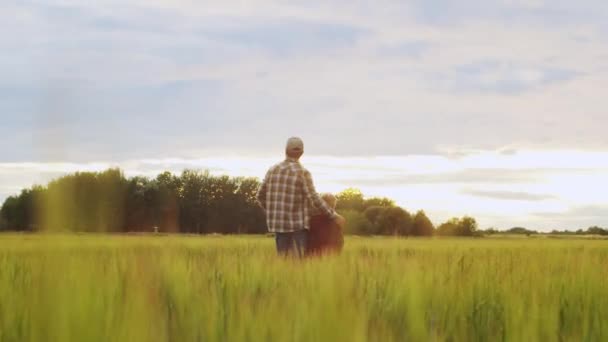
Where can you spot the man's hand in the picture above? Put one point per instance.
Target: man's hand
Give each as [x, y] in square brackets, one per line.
[340, 220]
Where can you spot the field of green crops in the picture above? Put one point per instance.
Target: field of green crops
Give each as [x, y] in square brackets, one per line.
[180, 288]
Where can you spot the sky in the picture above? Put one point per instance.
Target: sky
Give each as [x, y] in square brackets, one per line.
[495, 109]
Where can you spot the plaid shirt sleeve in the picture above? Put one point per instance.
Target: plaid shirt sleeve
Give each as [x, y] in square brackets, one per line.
[312, 195]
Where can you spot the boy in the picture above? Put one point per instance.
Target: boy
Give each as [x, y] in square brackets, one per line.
[325, 236]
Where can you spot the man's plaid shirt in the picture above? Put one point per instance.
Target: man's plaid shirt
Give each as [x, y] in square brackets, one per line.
[288, 195]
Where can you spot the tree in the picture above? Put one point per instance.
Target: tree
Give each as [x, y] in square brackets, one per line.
[520, 230]
[466, 226]
[223, 205]
[490, 231]
[11, 216]
[394, 221]
[112, 188]
[378, 202]
[449, 228]
[372, 214]
[251, 218]
[168, 189]
[350, 199]
[389, 221]
[86, 201]
[357, 223]
[422, 226]
[195, 195]
[595, 230]
[141, 205]
[193, 202]
[23, 212]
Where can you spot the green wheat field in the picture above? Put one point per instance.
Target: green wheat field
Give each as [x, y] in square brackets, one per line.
[215, 288]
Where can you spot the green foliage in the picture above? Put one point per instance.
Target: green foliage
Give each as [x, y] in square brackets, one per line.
[465, 226]
[394, 221]
[11, 214]
[422, 226]
[172, 288]
[85, 201]
[22, 213]
[353, 199]
[595, 230]
[195, 202]
[389, 220]
[378, 202]
[489, 231]
[357, 223]
[520, 230]
[350, 199]
[380, 216]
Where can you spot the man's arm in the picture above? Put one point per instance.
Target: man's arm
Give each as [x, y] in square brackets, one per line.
[313, 196]
[261, 195]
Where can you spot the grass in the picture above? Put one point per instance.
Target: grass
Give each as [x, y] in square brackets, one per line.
[177, 288]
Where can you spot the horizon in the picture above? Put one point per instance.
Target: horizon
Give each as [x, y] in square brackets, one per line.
[488, 109]
[514, 189]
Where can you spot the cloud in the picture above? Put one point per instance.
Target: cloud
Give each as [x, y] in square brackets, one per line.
[493, 76]
[289, 37]
[477, 176]
[508, 195]
[578, 212]
[578, 217]
[467, 176]
[190, 79]
[413, 49]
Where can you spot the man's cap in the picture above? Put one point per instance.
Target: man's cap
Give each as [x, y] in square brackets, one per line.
[295, 144]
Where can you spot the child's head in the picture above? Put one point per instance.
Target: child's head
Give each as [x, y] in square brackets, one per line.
[330, 199]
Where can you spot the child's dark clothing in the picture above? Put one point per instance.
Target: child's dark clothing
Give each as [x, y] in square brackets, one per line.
[325, 236]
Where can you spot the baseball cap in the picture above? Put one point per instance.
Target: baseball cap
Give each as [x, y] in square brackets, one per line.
[295, 144]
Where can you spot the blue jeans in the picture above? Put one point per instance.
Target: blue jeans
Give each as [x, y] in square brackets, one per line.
[295, 242]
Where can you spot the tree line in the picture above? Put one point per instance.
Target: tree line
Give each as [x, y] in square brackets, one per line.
[193, 202]
[381, 216]
[593, 230]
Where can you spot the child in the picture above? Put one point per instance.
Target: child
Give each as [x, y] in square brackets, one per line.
[325, 235]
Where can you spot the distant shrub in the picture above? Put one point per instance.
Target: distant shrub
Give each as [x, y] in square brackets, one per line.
[465, 226]
[356, 223]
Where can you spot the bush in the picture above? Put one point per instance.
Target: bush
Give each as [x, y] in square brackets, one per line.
[466, 226]
[356, 223]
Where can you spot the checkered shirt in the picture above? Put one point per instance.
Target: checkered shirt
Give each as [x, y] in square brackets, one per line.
[288, 195]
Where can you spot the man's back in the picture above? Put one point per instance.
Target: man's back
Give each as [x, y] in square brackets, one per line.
[285, 201]
[287, 195]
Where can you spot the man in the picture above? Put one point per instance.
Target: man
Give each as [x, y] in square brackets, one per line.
[287, 194]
